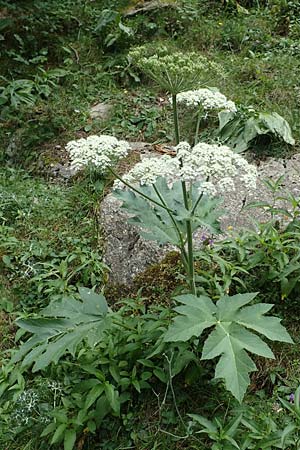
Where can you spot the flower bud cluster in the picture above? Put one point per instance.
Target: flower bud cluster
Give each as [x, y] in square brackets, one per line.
[208, 99]
[175, 71]
[217, 168]
[98, 151]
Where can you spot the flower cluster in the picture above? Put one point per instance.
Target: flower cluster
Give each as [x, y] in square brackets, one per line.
[149, 170]
[208, 99]
[216, 168]
[175, 71]
[98, 151]
[26, 406]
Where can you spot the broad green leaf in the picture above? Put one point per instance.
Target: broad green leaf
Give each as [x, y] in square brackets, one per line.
[252, 317]
[228, 306]
[64, 325]
[239, 131]
[69, 439]
[94, 304]
[197, 315]
[278, 125]
[231, 338]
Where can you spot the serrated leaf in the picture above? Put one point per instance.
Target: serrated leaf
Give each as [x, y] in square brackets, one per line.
[94, 303]
[230, 339]
[252, 317]
[197, 315]
[155, 223]
[62, 328]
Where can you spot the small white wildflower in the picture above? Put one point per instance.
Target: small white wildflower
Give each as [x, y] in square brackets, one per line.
[183, 147]
[54, 386]
[207, 98]
[98, 151]
[226, 184]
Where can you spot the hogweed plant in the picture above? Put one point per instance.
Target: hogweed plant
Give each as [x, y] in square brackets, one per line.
[168, 198]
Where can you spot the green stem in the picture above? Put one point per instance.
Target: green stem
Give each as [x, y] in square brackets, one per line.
[175, 118]
[190, 256]
[189, 234]
[197, 128]
[197, 203]
[191, 269]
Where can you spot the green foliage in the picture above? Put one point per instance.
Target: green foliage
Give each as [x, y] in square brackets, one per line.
[230, 338]
[265, 258]
[239, 130]
[27, 92]
[61, 327]
[110, 23]
[53, 68]
[101, 380]
[247, 429]
[155, 221]
[37, 264]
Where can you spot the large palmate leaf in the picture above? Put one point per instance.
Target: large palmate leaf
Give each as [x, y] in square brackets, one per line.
[155, 222]
[230, 338]
[61, 327]
[238, 131]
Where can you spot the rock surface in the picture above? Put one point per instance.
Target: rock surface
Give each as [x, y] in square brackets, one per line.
[146, 6]
[127, 254]
[101, 111]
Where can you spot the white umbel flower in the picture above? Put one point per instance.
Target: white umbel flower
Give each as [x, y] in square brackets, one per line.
[216, 167]
[146, 172]
[98, 151]
[208, 99]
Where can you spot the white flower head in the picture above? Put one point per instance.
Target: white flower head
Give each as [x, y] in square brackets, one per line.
[208, 99]
[146, 172]
[99, 151]
[216, 167]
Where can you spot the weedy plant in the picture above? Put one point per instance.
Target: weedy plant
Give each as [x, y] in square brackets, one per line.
[169, 199]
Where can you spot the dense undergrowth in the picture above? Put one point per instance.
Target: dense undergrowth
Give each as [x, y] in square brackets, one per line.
[132, 389]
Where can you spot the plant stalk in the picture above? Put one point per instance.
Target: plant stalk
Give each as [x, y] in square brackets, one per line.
[190, 253]
[175, 118]
[197, 128]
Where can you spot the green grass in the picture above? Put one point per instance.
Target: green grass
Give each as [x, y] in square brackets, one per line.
[49, 240]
